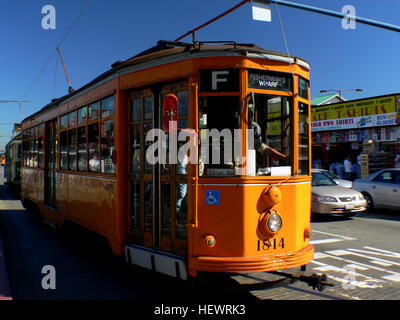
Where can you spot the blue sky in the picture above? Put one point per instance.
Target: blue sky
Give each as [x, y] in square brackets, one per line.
[366, 57]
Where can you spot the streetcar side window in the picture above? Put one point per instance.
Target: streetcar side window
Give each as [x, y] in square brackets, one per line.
[82, 153]
[72, 149]
[63, 151]
[107, 146]
[107, 107]
[31, 153]
[80, 147]
[40, 152]
[35, 162]
[64, 122]
[93, 141]
[303, 88]
[304, 151]
[94, 111]
[72, 119]
[82, 115]
[25, 153]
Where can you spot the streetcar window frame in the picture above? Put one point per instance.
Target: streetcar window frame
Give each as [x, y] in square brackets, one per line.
[303, 91]
[32, 147]
[86, 117]
[283, 142]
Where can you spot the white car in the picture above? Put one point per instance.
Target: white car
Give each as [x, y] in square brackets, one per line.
[381, 189]
[329, 198]
[334, 177]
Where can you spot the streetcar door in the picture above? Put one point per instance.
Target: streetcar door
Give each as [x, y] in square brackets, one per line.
[50, 164]
[174, 193]
[157, 192]
[141, 189]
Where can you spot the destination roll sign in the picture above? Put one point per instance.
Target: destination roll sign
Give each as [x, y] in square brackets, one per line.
[226, 80]
[270, 80]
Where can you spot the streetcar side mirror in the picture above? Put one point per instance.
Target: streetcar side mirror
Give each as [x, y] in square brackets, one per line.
[170, 112]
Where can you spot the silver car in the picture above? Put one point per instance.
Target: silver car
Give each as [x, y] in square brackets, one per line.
[334, 177]
[329, 198]
[381, 189]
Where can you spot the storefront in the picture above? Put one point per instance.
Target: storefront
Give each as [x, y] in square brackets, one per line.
[368, 126]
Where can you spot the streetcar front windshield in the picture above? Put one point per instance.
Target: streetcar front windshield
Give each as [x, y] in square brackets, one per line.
[269, 137]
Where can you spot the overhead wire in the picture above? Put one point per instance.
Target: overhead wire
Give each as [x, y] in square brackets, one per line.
[55, 50]
[284, 39]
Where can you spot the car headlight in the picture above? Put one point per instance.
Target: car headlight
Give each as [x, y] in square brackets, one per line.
[274, 222]
[323, 198]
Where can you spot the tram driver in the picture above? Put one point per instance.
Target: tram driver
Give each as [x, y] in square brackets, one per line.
[261, 147]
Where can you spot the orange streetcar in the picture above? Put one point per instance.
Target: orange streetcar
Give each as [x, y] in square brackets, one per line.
[236, 203]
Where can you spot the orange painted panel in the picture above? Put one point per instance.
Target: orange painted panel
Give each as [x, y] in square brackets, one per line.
[92, 203]
[234, 222]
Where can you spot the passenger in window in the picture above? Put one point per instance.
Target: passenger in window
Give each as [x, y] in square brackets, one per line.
[35, 162]
[94, 163]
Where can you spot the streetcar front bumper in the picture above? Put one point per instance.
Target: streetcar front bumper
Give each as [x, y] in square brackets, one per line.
[270, 262]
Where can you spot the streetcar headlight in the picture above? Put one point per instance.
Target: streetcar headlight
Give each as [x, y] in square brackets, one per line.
[274, 222]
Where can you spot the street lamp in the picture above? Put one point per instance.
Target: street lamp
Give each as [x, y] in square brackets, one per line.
[340, 91]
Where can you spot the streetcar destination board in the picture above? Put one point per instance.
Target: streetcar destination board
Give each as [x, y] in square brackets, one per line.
[269, 80]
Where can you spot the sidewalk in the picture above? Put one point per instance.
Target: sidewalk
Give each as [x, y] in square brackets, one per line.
[5, 293]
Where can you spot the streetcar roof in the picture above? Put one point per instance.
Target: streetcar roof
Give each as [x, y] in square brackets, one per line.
[165, 50]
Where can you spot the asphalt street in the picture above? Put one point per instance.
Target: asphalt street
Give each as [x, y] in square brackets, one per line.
[360, 255]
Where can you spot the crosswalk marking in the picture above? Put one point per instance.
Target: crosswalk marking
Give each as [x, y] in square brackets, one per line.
[338, 255]
[325, 241]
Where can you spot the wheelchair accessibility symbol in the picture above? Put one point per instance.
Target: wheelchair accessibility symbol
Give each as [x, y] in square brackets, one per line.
[213, 197]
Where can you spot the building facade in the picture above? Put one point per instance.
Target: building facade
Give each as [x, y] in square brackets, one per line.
[365, 128]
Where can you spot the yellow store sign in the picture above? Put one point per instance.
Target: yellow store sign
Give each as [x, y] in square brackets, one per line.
[353, 109]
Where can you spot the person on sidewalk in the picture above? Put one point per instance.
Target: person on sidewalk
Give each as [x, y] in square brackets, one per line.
[347, 168]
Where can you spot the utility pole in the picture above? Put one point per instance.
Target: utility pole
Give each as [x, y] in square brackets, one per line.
[19, 104]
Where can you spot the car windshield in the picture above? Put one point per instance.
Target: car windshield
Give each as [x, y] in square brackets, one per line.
[330, 175]
[319, 179]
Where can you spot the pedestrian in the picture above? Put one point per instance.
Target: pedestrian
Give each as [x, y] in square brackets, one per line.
[339, 169]
[347, 168]
[332, 168]
[354, 170]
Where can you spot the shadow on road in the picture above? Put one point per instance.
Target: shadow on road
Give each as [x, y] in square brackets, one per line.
[315, 217]
[6, 193]
[381, 214]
